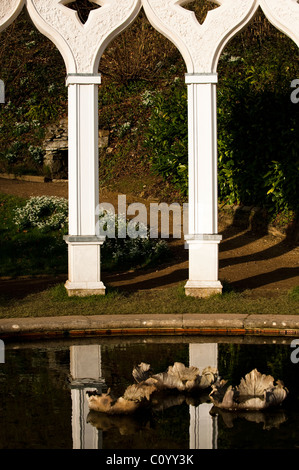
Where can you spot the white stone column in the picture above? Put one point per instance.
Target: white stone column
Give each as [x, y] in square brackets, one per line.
[202, 239]
[83, 240]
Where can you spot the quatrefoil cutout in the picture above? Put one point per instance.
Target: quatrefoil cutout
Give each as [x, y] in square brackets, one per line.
[82, 7]
[199, 7]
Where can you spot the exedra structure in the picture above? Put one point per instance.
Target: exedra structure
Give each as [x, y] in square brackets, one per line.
[81, 46]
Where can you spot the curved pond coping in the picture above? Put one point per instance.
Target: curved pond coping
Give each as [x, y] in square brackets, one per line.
[159, 324]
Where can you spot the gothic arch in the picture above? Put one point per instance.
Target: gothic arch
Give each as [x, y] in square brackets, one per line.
[81, 46]
[201, 44]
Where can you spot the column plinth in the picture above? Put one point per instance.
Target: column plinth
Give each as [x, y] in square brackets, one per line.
[84, 266]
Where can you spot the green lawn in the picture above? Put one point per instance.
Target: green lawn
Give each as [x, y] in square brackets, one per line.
[55, 301]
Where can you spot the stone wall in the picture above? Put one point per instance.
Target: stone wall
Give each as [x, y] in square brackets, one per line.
[56, 149]
[55, 146]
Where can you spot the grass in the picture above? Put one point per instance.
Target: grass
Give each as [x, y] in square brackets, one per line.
[55, 302]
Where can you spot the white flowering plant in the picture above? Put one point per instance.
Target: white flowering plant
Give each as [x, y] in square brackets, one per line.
[133, 248]
[124, 245]
[37, 154]
[47, 213]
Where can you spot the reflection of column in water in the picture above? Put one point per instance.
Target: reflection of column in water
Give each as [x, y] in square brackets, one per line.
[86, 371]
[203, 427]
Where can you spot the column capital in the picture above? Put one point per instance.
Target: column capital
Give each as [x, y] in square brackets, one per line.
[83, 79]
[201, 78]
[203, 238]
[84, 239]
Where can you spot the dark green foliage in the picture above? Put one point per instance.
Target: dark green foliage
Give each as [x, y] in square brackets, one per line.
[34, 75]
[167, 134]
[258, 145]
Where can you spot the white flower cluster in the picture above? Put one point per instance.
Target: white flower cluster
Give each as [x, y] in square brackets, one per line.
[22, 127]
[128, 243]
[44, 212]
[117, 226]
[148, 98]
[124, 128]
[36, 153]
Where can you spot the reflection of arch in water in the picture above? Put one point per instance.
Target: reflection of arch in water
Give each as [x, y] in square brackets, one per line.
[201, 45]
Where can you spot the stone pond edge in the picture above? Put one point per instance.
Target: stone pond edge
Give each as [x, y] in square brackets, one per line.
[158, 324]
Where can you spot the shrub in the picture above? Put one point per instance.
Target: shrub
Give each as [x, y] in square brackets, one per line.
[131, 250]
[50, 214]
[147, 58]
[258, 147]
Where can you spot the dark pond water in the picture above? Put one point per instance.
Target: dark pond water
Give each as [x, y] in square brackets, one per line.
[43, 395]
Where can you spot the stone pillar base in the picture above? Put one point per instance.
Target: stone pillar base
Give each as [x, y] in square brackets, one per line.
[84, 266]
[203, 289]
[84, 289]
[203, 265]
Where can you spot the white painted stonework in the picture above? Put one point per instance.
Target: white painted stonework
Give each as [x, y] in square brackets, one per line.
[284, 15]
[9, 10]
[200, 45]
[82, 46]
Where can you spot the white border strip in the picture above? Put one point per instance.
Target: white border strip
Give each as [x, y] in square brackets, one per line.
[201, 78]
[83, 79]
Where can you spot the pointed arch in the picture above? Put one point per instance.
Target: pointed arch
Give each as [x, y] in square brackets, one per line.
[82, 45]
[284, 16]
[9, 10]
